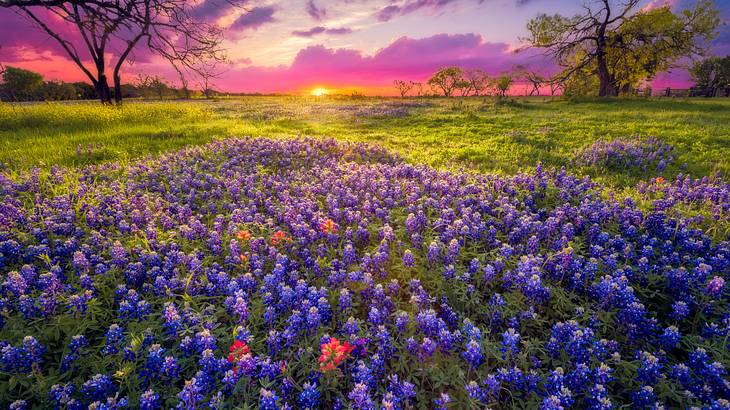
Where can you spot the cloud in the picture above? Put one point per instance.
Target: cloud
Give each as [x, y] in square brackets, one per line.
[211, 10]
[322, 30]
[317, 13]
[404, 7]
[254, 18]
[405, 58]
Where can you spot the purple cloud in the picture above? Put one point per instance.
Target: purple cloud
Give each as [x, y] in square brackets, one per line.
[410, 6]
[405, 58]
[317, 13]
[322, 30]
[210, 10]
[254, 18]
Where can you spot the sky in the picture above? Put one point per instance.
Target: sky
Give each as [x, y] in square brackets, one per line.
[278, 46]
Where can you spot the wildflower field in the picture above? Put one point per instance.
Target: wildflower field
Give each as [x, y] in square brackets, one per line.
[435, 254]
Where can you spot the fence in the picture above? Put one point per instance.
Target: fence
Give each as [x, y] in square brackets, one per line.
[695, 92]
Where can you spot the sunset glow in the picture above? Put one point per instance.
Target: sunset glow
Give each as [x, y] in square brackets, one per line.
[277, 47]
[319, 91]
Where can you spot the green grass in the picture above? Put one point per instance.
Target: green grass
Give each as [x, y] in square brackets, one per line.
[475, 133]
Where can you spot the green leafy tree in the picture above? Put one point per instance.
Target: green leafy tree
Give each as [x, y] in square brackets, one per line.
[59, 91]
[712, 74]
[502, 84]
[447, 80]
[21, 85]
[622, 46]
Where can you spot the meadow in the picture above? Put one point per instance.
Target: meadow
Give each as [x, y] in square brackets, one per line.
[365, 253]
[482, 134]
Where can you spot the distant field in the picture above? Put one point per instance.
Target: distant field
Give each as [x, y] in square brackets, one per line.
[475, 133]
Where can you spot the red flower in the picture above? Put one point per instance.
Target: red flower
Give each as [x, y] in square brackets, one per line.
[237, 351]
[328, 226]
[659, 180]
[333, 353]
[244, 235]
[279, 237]
[243, 258]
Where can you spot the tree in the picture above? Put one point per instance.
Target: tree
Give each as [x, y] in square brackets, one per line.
[21, 85]
[447, 80]
[152, 86]
[502, 84]
[711, 75]
[534, 78]
[208, 72]
[403, 87]
[58, 91]
[165, 27]
[418, 86]
[621, 46]
[556, 84]
[477, 80]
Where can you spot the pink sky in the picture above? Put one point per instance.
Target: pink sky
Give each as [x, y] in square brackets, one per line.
[291, 47]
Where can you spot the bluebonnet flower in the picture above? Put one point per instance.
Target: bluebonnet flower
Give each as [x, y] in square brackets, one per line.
[99, 387]
[473, 353]
[680, 310]
[190, 395]
[442, 402]
[268, 400]
[669, 338]
[309, 397]
[149, 400]
[510, 340]
[360, 397]
[408, 260]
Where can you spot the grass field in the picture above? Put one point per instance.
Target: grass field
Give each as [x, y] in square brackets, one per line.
[278, 272]
[476, 133]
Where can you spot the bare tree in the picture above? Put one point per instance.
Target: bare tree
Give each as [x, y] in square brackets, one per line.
[477, 80]
[532, 77]
[403, 87]
[556, 84]
[418, 86]
[166, 27]
[208, 72]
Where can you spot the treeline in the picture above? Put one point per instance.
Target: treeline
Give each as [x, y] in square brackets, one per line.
[24, 85]
[711, 78]
[17, 84]
[458, 81]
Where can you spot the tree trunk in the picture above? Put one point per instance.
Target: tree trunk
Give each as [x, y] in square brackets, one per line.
[102, 90]
[117, 88]
[606, 87]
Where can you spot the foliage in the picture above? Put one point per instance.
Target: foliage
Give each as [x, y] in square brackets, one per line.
[19, 84]
[712, 74]
[502, 84]
[447, 80]
[620, 46]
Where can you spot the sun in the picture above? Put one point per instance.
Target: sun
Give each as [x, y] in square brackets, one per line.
[319, 91]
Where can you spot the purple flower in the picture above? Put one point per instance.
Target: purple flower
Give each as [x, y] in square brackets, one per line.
[715, 286]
